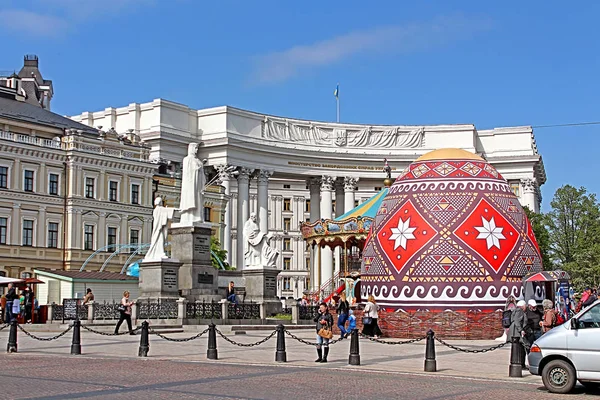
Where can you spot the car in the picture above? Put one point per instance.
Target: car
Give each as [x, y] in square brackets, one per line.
[569, 352]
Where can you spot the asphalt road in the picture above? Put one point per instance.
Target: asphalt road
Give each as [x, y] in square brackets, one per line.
[52, 377]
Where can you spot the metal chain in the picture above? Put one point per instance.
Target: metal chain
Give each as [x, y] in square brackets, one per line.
[179, 340]
[393, 343]
[246, 344]
[306, 342]
[468, 350]
[4, 326]
[106, 333]
[44, 339]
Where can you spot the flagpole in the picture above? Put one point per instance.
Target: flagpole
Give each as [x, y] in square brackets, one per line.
[337, 103]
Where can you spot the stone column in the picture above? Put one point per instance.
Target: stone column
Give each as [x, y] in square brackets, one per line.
[124, 232]
[101, 239]
[349, 189]
[15, 235]
[224, 177]
[72, 179]
[41, 227]
[41, 184]
[528, 198]
[101, 189]
[326, 205]
[315, 214]
[17, 182]
[340, 204]
[243, 205]
[79, 184]
[263, 199]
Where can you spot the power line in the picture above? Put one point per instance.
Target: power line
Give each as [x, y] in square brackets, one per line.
[573, 124]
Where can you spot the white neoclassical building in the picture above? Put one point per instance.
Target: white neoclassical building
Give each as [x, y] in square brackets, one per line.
[290, 171]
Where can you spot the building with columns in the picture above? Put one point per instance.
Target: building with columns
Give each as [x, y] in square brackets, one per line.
[289, 170]
[66, 189]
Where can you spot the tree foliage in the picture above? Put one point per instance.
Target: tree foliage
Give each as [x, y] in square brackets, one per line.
[573, 226]
[218, 255]
[538, 224]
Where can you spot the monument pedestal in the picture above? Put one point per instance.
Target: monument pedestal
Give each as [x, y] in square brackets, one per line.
[261, 287]
[198, 279]
[159, 279]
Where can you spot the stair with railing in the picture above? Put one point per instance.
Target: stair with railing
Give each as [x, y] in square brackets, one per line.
[330, 288]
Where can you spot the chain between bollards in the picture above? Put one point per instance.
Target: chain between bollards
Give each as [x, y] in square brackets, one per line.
[11, 347]
[515, 369]
[76, 342]
[144, 341]
[430, 362]
[354, 358]
[280, 354]
[211, 353]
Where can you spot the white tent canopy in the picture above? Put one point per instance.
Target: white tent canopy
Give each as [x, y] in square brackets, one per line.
[6, 281]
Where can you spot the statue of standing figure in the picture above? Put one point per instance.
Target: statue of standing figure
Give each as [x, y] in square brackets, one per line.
[161, 215]
[257, 251]
[192, 188]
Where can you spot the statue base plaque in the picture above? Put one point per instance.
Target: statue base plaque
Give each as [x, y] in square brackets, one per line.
[261, 287]
[198, 279]
[159, 279]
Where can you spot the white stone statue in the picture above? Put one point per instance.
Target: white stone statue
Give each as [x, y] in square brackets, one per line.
[192, 187]
[161, 215]
[257, 251]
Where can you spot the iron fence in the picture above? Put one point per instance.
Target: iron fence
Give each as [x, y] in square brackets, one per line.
[309, 312]
[243, 311]
[157, 309]
[104, 311]
[203, 310]
[57, 312]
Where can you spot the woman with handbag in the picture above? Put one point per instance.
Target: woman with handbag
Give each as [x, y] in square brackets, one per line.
[370, 316]
[125, 310]
[324, 332]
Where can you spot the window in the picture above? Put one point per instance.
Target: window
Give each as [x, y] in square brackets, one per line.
[113, 190]
[3, 177]
[27, 232]
[377, 188]
[590, 319]
[307, 262]
[111, 238]
[89, 188]
[333, 207]
[516, 188]
[53, 184]
[134, 236]
[287, 186]
[286, 283]
[53, 235]
[287, 222]
[287, 244]
[307, 206]
[3, 230]
[88, 237]
[287, 205]
[287, 264]
[207, 211]
[28, 181]
[135, 194]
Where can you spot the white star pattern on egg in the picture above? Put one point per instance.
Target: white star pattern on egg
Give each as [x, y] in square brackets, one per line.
[402, 233]
[490, 232]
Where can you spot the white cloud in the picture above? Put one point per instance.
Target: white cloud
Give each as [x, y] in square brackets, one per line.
[31, 23]
[282, 65]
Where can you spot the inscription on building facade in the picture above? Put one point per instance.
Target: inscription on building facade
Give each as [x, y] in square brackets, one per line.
[170, 278]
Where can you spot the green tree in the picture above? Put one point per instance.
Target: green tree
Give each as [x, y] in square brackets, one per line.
[574, 233]
[218, 256]
[538, 223]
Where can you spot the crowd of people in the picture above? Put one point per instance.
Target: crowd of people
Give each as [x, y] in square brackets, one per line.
[14, 305]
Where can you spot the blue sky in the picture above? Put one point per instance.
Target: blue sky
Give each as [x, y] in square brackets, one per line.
[400, 62]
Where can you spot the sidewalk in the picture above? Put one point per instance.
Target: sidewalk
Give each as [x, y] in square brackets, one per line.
[405, 358]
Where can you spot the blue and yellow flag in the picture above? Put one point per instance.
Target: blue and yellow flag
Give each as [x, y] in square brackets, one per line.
[336, 93]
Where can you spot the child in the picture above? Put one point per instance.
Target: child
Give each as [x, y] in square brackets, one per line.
[351, 323]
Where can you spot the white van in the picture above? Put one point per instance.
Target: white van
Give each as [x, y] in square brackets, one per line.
[569, 352]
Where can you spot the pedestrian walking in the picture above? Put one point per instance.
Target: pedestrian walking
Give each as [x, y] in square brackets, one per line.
[533, 328]
[342, 311]
[370, 318]
[351, 322]
[518, 322]
[125, 310]
[89, 296]
[549, 320]
[324, 323]
[11, 295]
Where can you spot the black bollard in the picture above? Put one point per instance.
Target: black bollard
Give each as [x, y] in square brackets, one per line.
[515, 370]
[144, 341]
[354, 358]
[12, 337]
[211, 353]
[280, 355]
[430, 362]
[76, 342]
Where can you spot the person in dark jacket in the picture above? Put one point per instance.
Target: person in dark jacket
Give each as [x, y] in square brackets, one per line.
[342, 311]
[591, 298]
[534, 317]
[231, 297]
[518, 322]
[323, 320]
[10, 296]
